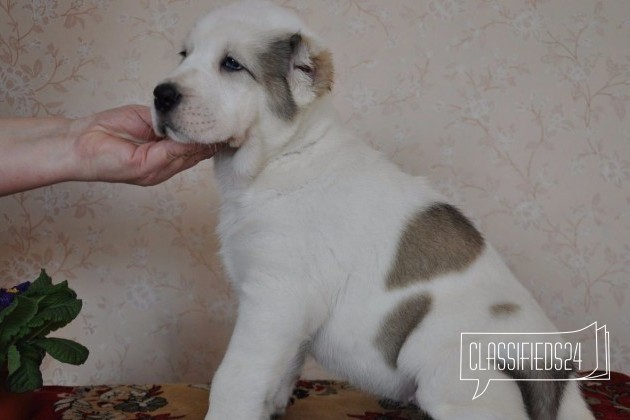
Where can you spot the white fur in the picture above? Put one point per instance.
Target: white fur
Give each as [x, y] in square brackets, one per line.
[309, 225]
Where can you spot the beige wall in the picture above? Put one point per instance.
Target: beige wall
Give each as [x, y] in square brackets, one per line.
[517, 110]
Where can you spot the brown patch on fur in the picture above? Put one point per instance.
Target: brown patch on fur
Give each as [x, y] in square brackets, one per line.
[400, 322]
[324, 73]
[436, 241]
[503, 309]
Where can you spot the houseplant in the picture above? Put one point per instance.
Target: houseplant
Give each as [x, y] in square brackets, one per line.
[28, 313]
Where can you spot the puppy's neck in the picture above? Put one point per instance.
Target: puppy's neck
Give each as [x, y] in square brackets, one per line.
[270, 140]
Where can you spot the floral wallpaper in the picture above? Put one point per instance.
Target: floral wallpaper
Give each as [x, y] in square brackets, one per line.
[516, 110]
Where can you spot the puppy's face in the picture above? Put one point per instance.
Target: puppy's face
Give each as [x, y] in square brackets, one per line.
[241, 65]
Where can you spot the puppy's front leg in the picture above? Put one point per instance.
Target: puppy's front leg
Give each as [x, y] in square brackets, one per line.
[267, 337]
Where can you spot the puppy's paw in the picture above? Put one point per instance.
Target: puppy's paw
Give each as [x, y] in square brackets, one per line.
[279, 409]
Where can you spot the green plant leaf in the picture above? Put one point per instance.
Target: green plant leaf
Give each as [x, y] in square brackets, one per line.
[24, 311]
[64, 311]
[41, 286]
[49, 320]
[13, 359]
[27, 377]
[55, 311]
[57, 295]
[66, 351]
[6, 311]
[41, 309]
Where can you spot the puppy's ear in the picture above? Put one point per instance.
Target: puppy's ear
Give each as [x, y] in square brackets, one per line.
[295, 71]
[310, 71]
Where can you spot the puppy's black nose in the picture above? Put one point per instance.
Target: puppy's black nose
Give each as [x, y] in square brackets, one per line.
[166, 97]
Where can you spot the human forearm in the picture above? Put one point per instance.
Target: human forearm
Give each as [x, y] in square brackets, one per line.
[117, 145]
[35, 152]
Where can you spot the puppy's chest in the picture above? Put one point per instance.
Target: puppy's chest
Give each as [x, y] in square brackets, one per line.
[333, 232]
[275, 230]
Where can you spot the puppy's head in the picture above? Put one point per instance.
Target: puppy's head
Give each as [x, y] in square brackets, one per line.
[243, 64]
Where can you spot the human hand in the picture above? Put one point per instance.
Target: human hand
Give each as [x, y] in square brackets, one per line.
[119, 145]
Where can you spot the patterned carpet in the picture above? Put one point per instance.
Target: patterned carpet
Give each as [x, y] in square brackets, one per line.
[312, 400]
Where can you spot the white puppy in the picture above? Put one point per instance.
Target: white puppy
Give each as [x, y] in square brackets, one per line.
[333, 250]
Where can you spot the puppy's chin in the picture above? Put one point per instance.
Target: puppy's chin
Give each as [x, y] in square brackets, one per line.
[164, 127]
[177, 135]
[157, 124]
[182, 137]
[167, 129]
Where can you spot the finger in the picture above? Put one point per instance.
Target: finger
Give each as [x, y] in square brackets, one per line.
[173, 167]
[175, 149]
[164, 159]
[129, 122]
[144, 124]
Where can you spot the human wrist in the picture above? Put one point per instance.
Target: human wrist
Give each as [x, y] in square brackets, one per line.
[36, 152]
[78, 158]
[57, 142]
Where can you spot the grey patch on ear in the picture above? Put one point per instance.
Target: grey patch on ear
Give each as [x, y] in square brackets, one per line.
[398, 324]
[541, 390]
[275, 64]
[504, 309]
[294, 41]
[436, 241]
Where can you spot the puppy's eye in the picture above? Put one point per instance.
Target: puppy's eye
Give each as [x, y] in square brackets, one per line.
[230, 64]
[183, 53]
[305, 69]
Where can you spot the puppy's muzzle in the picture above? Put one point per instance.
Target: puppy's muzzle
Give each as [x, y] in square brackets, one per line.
[166, 97]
